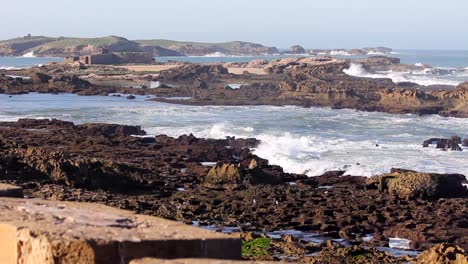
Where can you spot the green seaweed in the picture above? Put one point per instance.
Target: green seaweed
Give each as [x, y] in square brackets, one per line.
[256, 248]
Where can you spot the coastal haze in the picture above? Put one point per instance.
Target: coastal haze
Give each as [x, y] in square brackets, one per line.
[303, 127]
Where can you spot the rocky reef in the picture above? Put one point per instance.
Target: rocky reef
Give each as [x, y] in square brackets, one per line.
[222, 183]
[318, 81]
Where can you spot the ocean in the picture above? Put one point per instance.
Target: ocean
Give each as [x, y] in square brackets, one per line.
[301, 140]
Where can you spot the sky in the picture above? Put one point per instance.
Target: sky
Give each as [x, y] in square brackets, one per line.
[400, 24]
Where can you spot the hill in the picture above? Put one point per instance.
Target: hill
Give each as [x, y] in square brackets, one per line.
[65, 46]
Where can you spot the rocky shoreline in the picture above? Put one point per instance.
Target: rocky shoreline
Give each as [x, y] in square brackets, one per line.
[307, 82]
[221, 183]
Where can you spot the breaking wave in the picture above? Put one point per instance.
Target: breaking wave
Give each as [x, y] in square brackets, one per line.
[376, 53]
[340, 53]
[301, 140]
[424, 77]
[29, 55]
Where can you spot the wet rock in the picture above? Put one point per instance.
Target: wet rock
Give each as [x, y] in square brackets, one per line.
[112, 129]
[410, 184]
[443, 253]
[131, 97]
[445, 143]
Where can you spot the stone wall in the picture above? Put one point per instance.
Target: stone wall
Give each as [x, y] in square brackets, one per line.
[117, 58]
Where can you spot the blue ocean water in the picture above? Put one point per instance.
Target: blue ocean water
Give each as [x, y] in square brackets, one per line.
[24, 62]
[435, 58]
[302, 140]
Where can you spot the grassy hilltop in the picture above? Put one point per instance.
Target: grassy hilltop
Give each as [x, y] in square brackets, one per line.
[69, 46]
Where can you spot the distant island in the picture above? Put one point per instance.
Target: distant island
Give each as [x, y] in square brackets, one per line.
[42, 46]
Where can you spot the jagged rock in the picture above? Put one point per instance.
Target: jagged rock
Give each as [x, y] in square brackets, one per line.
[445, 143]
[227, 176]
[112, 130]
[443, 254]
[410, 184]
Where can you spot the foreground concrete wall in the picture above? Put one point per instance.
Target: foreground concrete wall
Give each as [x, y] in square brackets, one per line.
[46, 232]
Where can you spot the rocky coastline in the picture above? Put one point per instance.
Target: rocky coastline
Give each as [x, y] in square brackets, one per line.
[222, 184]
[317, 81]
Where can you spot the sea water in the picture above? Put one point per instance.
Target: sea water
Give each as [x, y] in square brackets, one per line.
[301, 140]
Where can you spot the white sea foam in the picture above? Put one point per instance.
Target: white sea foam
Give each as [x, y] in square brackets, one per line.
[8, 68]
[340, 53]
[29, 55]
[301, 140]
[375, 53]
[216, 55]
[419, 64]
[421, 77]
[399, 243]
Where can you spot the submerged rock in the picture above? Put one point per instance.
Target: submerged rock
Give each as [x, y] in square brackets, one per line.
[410, 184]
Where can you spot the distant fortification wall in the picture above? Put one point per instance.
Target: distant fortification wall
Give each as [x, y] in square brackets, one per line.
[114, 58]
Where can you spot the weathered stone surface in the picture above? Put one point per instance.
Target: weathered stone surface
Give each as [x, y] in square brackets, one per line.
[410, 184]
[231, 176]
[8, 190]
[227, 175]
[43, 232]
[443, 254]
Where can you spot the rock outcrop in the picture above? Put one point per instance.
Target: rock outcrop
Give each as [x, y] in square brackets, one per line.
[443, 254]
[296, 49]
[410, 184]
[192, 72]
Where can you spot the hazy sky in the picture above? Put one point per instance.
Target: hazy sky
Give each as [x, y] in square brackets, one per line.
[428, 24]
